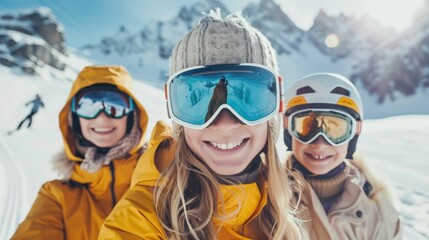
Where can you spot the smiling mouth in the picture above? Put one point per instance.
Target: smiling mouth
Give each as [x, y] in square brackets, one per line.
[228, 145]
[318, 157]
[103, 130]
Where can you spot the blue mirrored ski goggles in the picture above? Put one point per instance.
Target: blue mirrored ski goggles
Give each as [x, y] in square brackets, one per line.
[336, 127]
[113, 103]
[195, 96]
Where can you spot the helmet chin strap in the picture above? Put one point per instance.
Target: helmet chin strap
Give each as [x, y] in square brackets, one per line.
[287, 138]
[352, 147]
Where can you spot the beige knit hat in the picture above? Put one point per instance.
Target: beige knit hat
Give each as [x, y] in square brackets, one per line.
[217, 40]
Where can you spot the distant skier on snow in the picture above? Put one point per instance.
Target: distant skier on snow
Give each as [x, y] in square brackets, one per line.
[37, 103]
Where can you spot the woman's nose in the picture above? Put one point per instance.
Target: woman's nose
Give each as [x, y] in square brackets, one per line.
[103, 116]
[225, 121]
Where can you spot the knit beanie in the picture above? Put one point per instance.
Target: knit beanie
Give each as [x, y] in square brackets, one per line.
[217, 40]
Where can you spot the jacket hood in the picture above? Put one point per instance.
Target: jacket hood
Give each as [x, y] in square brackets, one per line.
[148, 169]
[91, 75]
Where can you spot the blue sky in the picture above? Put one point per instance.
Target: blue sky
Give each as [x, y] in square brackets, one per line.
[86, 21]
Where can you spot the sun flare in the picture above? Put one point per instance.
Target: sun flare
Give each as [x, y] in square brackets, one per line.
[332, 40]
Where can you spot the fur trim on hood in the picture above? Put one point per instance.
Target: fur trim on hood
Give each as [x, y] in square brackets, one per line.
[62, 165]
[93, 161]
[379, 182]
[381, 186]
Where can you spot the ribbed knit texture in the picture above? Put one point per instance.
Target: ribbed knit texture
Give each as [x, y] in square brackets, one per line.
[220, 41]
[329, 188]
[217, 40]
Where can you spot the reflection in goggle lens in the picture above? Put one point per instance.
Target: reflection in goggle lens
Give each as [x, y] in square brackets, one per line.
[335, 126]
[91, 104]
[196, 96]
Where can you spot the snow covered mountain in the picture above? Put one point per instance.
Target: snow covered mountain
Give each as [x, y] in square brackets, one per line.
[268, 17]
[33, 42]
[399, 66]
[390, 69]
[385, 64]
[145, 53]
[155, 36]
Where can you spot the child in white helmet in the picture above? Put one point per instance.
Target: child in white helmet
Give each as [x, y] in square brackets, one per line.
[322, 122]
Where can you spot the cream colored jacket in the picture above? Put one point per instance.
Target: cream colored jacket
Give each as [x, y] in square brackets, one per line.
[364, 210]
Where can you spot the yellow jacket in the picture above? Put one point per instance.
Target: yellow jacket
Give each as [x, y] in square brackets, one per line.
[75, 207]
[134, 217]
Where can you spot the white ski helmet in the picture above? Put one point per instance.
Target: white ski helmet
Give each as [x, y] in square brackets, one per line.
[324, 91]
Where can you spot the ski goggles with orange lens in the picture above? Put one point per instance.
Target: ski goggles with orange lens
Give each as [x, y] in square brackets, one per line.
[113, 103]
[251, 92]
[335, 126]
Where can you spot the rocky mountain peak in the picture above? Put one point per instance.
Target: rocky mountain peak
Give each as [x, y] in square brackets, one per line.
[268, 17]
[365, 50]
[31, 39]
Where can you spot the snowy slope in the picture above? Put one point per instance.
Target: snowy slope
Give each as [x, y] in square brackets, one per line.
[395, 147]
[30, 151]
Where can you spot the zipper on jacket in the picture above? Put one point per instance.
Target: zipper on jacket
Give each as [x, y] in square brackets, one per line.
[112, 184]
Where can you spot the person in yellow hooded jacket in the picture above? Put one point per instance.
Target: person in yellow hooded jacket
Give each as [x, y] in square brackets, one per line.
[215, 178]
[103, 126]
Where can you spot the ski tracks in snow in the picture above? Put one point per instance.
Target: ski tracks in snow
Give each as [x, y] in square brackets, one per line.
[12, 191]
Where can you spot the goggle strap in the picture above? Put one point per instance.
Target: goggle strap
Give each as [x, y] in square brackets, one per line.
[73, 103]
[168, 109]
[166, 99]
[281, 106]
[131, 103]
[358, 127]
[285, 121]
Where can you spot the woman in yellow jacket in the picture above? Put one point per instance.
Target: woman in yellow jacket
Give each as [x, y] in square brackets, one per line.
[102, 124]
[218, 178]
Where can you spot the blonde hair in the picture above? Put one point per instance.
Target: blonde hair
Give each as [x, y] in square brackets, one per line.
[187, 194]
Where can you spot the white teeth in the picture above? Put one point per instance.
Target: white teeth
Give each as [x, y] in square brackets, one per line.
[103, 130]
[319, 156]
[227, 146]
